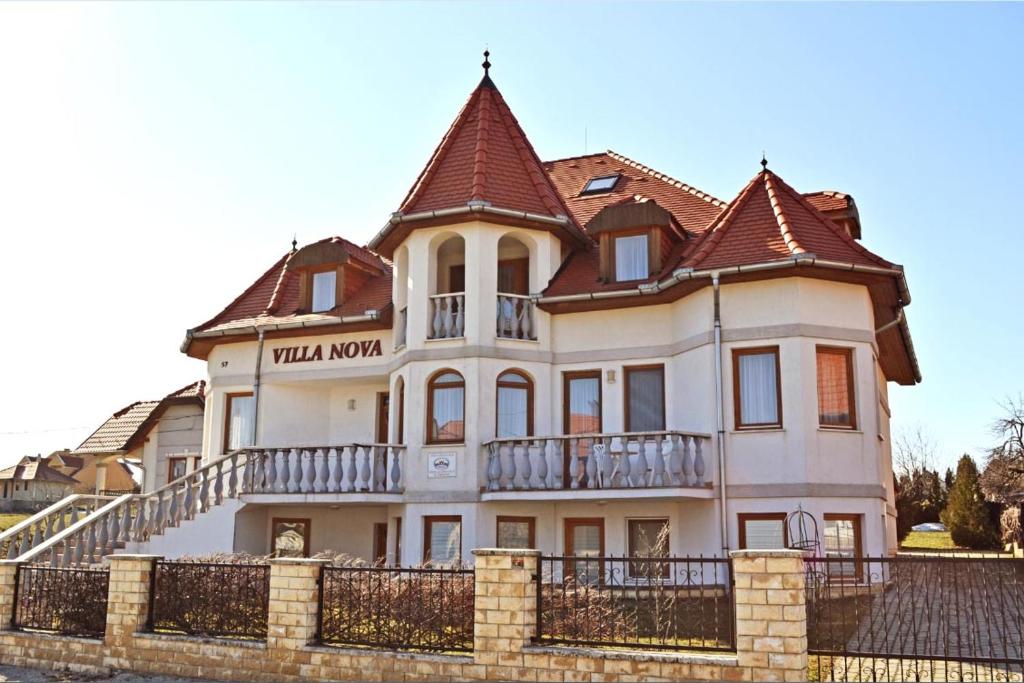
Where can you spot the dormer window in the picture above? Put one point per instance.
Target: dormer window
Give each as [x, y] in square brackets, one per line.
[325, 285]
[601, 184]
[632, 257]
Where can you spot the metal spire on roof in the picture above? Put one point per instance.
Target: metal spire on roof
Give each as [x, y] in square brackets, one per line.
[486, 80]
[764, 161]
[295, 241]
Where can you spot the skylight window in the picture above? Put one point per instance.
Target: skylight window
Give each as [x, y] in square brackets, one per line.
[602, 184]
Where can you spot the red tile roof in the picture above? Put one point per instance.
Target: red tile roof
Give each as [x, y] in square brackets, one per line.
[122, 430]
[35, 469]
[769, 221]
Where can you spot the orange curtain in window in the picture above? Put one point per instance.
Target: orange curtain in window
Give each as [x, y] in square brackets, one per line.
[834, 389]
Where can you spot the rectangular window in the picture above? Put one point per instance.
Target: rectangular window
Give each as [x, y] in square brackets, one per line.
[645, 398]
[324, 288]
[289, 537]
[380, 544]
[584, 538]
[757, 387]
[442, 540]
[238, 421]
[516, 532]
[631, 258]
[648, 538]
[836, 406]
[842, 539]
[763, 531]
[177, 465]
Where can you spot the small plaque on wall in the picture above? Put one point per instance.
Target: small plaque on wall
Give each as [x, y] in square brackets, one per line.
[440, 465]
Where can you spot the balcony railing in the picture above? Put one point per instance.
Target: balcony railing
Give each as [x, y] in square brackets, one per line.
[515, 317]
[358, 468]
[447, 316]
[629, 460]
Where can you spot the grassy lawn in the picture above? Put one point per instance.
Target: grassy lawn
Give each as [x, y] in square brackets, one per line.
[7, 520]
[928, 540]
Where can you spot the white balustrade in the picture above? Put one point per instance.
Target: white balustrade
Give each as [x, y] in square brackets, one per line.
[515, 317]
[355, 468]
[447, 316]
[638, 460]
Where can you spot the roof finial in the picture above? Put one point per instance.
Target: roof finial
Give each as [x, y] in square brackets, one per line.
[764, 161]
[487, 62]
[295, 241]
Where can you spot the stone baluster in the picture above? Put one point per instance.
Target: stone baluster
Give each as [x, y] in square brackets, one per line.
[364, 469]
[625, 464]
[319, 463]
[591, 463]
[336, 469]
[126, 520]
[644, 474]
[514, 319]
[74, 516]
[218, 481]
[493, 467]
[350, 468]
[295, 470]
[272, 477]
[698, 461]
[553, 452]
[233, 475]
[527, 318]
[675, 461]
[69, 553]
[508, 465]
[139, 527]
[525, 470]
[396, 468]
[449, 319]
[159, 517]
[460, 315]
[380, 473]
[284, 473]
[658, 475]
[542, 463]
[254, 460]
[438, 321]
[307, 470]
[687, 460]
[173, 511]
[574, 464]
[100, 543]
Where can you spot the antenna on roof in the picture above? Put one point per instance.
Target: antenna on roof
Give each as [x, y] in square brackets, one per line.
[295, 241]
[764, 161]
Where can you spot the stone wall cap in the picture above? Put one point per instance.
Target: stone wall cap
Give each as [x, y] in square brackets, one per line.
[12, 563]
[206, 640]
[437, 657]
[723, 659]
[753, 554]
[131, 556]
[506, 552]
[307, 561]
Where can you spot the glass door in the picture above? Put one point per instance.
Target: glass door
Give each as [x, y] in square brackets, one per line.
[581, 414]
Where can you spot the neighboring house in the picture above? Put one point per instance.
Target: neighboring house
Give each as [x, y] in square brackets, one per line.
[575, 355]
[31, 485]
[162, 437]
[83, 469]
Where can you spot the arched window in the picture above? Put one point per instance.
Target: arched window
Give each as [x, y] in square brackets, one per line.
[515, 405]
[446, 404]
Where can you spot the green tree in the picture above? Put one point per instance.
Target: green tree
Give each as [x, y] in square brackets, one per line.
[950, 480]
[966, 515]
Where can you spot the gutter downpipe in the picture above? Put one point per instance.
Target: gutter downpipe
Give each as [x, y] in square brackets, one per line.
[256, 384]
[720, 416]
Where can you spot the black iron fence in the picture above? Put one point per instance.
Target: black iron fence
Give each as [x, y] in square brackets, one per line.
[677, 603]
[210, 599]
[398, 608]
[916, 618]
[70, 602]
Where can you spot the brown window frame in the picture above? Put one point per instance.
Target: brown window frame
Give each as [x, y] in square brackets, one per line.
[663, 567]
[858, 543]
[433, 384]
[196, 459]
[613, 255]
[532, 533]
[498, 385]
[228, 398]
[567, 378]
[274, 521]
[383, 426]
[569, 536]
[738, 423]
[428, 522]
[851, 393]
[743, 517]
[521, 268]
[626, 370]
[380, 544]
[307, 290]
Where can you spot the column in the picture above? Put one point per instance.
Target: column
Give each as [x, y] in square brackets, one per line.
[506, 607]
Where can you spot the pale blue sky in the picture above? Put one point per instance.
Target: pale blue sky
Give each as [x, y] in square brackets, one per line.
[155, 158]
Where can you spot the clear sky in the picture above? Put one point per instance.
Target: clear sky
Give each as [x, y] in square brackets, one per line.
[156, 158]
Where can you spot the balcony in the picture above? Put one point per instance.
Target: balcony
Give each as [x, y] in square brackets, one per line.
[447, 316]
[598, 466]
[309, 473]
[515, 317]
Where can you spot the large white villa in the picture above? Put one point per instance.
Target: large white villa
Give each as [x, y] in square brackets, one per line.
[571, 355]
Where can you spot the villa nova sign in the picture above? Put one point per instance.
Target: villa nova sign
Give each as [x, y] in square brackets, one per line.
[307, 354]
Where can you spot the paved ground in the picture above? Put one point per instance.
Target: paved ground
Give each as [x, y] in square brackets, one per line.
[16, 674]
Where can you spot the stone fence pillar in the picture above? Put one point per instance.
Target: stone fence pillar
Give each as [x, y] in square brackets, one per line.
[294, 608]
[127, 604]
[771, 615]
[506, 608]
[8, 575]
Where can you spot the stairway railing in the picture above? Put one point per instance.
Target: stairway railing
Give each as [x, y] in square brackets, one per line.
[40, 527]
[136, 517]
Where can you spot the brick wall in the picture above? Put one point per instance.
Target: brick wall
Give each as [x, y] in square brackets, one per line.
[771, 633]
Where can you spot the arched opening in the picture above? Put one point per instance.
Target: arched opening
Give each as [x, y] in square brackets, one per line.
[446, 407]
[515, 318]
[447, 312]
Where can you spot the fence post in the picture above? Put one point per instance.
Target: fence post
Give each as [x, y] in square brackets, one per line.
[294, 609]
[8, 591]
[771, 614]
[127, 603]
[505, 612]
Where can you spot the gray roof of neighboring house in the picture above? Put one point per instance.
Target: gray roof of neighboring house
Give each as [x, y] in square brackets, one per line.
[34, 469]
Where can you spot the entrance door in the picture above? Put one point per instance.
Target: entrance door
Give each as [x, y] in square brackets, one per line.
[380, 544]
[581, 414]
[383, 409]
[584, 537]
